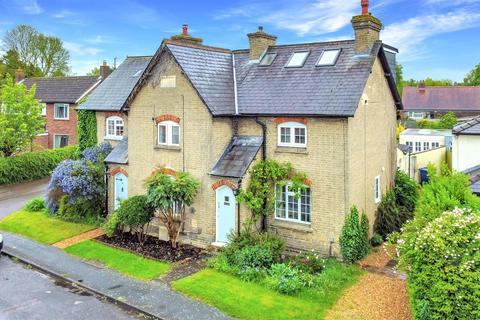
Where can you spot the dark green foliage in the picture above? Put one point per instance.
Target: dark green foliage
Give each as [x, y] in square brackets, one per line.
[35, 204]
[397, 205]
[473, 77]
[376, 240]
[83, 211]
[285, 279]
[86, 129]
[254, 257]
[354, 237]
[406, 191]
[308, 262]
[134, 214]
[447, 121]
[33, 165]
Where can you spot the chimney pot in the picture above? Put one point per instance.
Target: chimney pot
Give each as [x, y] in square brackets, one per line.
[19, 75]
[185, 29]
[259, 41]
[364, 7]
[421, 85]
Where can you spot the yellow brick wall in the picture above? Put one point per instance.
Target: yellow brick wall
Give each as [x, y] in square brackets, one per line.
[371, 144]
[101, 127]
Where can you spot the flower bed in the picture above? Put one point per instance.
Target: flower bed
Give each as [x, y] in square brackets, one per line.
[155, 248]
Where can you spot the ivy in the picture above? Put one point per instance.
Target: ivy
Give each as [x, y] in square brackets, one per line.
[259, 196]
[86, 129]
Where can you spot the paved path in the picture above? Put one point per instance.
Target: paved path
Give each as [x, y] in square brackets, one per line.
[154, 297]
[29, 294]
[81, 237]
[14, 197]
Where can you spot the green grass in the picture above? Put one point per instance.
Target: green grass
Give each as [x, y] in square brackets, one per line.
[41, 227]
[247, 300]
[123, 261]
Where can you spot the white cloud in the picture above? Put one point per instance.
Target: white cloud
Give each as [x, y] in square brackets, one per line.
[408, 36]
[80, 49]
[451, 2]
[65, 13]
[96, 40]
[82, 67]
[29, 6]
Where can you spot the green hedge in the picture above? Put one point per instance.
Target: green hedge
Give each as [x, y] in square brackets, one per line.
[33, 165]
[86, 129]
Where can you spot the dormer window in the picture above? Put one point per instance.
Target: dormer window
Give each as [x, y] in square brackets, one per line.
[297, 59]
[115, 128]
[268, 59]
[328, 57]
[168, 133]
[292, 134]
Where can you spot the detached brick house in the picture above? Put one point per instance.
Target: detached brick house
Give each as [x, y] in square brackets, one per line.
[425, 102]
[60, 96]
[328, 108]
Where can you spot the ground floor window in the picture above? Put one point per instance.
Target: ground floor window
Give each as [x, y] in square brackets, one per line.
[60, 141]
[288, 207]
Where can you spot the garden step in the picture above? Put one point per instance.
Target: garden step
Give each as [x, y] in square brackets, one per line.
[81, 237]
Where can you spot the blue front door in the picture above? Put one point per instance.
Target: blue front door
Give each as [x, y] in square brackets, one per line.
[121, 188]
[225, 213]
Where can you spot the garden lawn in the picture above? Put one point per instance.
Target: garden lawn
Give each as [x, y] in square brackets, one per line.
[247, 300]
[123, 261]
[41, 227]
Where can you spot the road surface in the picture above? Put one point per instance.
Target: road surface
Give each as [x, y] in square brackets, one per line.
[14, 197]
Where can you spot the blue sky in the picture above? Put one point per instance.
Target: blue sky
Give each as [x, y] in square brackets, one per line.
[436, 38]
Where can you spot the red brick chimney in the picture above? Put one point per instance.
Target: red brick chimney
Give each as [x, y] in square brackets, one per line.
[19, 75]
[422, 86]
[185, 37]
[104, 70]
[185, 29]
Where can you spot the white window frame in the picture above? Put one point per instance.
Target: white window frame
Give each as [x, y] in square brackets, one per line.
[116, 125]
[168, 133]
[418, 146]
[263, 63]
[44, 108]
[55, 140]
[300, 65]
[335, 59]
[435, 145]
[65, 105]
[377, 190]
[426, 145]
[292, 126]
[299, 205]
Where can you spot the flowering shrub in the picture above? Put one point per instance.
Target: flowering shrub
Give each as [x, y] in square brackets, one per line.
[81, 181]
[309, 262]
[285, 278]
[98, 153]
[443, 265]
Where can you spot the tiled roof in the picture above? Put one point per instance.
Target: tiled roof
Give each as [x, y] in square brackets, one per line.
[469, 127]
[442, 98]
[112, 93]
[237, 157]
[211, 73]
[62, 89]
[404, 148]
[119, 154]
[276, 90]
[426, 132]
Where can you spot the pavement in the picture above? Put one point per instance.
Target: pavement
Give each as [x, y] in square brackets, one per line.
[154, 298]
[14, 197]
[28, 294]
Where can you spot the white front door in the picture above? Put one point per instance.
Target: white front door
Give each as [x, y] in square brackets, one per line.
[225, 213]
[121, 188]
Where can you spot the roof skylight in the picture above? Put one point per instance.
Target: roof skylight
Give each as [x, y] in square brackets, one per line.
[298, 59]
[328, 57]
[268, 59]
[138, 73]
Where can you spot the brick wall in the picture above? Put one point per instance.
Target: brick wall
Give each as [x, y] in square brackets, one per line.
[101, 125]
[58, 127]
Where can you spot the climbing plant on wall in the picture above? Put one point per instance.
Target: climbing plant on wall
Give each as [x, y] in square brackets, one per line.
[86, 129]
[266, 175]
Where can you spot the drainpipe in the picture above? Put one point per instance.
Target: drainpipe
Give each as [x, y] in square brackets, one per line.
[106, 189]
[237, 191]
[264, 157]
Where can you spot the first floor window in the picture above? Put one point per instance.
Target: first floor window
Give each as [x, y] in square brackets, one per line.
[418, 146]
[291, 208]
[61, 140]
[61, 111]
[378, 189]
[292, 134]
[426, 145]
[114, 127]
[44, 108]
[435, 144]
[169, 133]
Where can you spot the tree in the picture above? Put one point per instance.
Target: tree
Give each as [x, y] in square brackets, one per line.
[169, 196]
[20, 117]
[473, 77]
[448, 120]
[399, 78]
[96, 71]
[35, 53]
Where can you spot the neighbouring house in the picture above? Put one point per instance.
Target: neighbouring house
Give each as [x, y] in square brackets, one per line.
[466, 145]
[59, 97]
[413, 163]
[329, 108]
[426, 139]
[424, 102]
